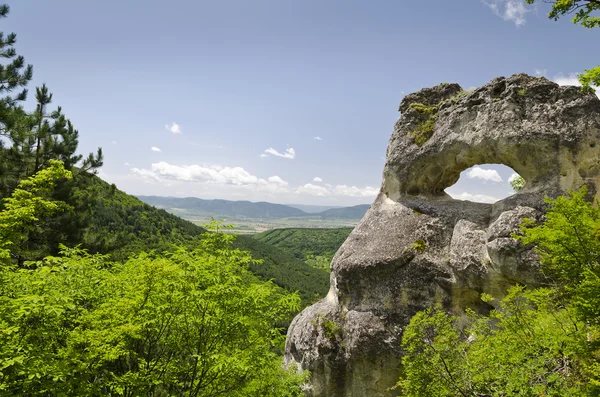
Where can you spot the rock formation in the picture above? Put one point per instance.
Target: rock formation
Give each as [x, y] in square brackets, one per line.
[417, 246]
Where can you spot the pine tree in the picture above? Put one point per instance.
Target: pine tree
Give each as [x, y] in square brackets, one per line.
[14, 75]
[31, 140]
[53, 137]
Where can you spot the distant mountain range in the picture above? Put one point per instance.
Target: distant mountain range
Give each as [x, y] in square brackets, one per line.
[354, 212]
[312, 209]
[193, 206]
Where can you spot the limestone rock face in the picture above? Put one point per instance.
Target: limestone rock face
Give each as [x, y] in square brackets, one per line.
[417, 246]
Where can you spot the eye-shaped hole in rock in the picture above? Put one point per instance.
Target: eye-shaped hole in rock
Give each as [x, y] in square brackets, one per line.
[486, 183]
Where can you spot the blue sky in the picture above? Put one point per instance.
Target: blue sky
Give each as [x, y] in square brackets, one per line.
[274, 100]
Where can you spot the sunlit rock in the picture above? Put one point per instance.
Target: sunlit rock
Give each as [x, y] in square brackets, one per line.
[417, 246]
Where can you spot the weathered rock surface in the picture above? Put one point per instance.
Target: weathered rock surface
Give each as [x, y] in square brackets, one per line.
[417, 246]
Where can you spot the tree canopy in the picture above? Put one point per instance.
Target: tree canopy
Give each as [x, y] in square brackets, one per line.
[190, 322]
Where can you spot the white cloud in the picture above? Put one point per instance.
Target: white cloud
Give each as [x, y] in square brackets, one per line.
[313, 190]
[569, 79]
[317, 179]
[145, 173]
[354, 191]
[480, 198]
[263, 155]
[236, 176]
[277, 180]
[197, 173]
[174, 128]
[540, 72]
[126, 164]
[236, 182]
[155, 149]
[318, 138]
[484, 175]
[338, 190]
[509, 10]
[290, 153]
[572, 79]
[114, 142]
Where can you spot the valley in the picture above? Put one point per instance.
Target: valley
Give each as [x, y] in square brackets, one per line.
[256, 217]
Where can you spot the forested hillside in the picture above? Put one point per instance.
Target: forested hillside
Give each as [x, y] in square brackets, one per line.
[193, 322]
[286, 270]
[102, 294]
[355, 212]
[121, 225]
[313, 246]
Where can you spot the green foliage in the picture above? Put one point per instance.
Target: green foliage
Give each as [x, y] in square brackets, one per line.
[526, 347]
[32, 139]
[569, 245]
[423, 109]
[419, 245]
[334, 332]
[285, 270]
[428, 114]
[52, 135]
[313, 246]
[424, 130]
[583, 11]
[194, 323]
[589, 78]
[431, 344]
[536, 342]
[13, 75]
[121, 225]
[517, 183]
[318, 261]
[30, 142]
[522, 91]
[26, 210]
[567, 241]
[106, 220]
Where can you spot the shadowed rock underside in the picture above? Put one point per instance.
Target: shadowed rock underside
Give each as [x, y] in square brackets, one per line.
[417, 246]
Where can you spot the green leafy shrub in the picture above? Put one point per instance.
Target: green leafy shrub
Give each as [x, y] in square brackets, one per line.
[536, 342]
[526, 347]
[419, 245]
[517, 183]
[194, 323]
[424, 130]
